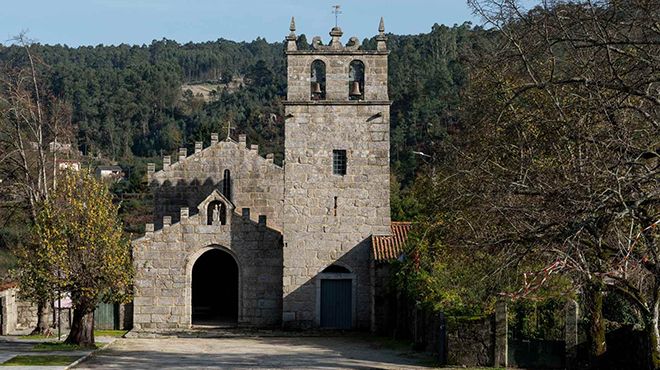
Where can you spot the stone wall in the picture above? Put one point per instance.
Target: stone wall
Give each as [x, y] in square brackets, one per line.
[9, 310]
[256, 182]
[383, 302]
[164, 261]
[328, 219]
[470, 341]
[26, 315]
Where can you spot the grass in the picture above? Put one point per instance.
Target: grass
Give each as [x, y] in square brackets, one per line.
[40, 360]
[109, 333]
[36, 336]
[59, 346]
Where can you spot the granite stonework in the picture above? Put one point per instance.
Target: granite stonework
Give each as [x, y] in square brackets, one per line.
[285, 225]
[254, 182]
[164, 261]
[8, 310]
[329, 218]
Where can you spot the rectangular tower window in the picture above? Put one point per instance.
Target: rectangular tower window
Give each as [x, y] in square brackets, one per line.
[339, 162]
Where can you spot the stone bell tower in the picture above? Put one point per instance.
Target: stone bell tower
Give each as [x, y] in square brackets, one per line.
[337, 176]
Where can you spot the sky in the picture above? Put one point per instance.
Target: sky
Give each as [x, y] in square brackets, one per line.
[112, 22]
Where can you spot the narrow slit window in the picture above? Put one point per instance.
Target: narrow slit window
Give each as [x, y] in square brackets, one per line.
[339, 162]
[226, 184]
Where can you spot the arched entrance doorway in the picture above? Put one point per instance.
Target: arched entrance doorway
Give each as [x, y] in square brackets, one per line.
[215, 289]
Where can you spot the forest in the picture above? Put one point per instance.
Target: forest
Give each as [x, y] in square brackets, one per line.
[526, 151]
[128, 103]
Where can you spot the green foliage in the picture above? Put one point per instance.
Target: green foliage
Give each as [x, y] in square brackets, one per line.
[79, 246]
[617, 308]
[453, 280]
[534, 319]
[404, 204]
[7, 262]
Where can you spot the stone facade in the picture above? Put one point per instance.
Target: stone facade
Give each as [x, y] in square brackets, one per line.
[289, 228]
[255, 182]
[164, 258]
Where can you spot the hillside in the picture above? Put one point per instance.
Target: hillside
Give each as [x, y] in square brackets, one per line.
[133, 104]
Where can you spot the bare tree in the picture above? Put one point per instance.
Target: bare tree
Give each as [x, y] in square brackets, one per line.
[559, 162]
[30, 121]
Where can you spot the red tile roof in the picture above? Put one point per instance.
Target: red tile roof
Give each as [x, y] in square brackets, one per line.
[8, 285]
[389, 247]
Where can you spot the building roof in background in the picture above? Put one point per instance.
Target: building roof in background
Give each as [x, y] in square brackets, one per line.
[389, 247]
[108, 168]
[7, 285]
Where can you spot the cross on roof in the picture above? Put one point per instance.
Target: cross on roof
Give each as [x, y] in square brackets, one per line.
[229, 128]
[336, 12]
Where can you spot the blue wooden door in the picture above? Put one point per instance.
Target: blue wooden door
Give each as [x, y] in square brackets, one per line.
[336, 303]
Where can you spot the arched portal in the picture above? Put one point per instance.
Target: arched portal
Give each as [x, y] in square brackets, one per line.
[215, 289]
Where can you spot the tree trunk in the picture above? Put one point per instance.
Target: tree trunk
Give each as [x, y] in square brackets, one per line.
[653, 332]
[42, 319]
[82, 327]
[594, 294]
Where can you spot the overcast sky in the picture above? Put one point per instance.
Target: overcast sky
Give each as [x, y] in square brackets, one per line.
[92, 22]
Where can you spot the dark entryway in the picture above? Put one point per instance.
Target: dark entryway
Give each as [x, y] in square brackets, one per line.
[215, 289]
[336, 303]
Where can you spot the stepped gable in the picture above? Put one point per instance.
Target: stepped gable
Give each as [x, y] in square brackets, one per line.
[254, 182]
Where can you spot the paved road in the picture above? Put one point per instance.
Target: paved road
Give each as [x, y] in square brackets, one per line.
[250, 353]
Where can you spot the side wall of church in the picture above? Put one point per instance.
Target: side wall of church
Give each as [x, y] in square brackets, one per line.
[256, 182]
[164, 260]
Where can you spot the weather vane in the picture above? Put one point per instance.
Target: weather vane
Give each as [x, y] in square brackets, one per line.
[336, 12]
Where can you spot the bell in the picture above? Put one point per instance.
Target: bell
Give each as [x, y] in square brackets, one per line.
[316, 88]
[355, 90]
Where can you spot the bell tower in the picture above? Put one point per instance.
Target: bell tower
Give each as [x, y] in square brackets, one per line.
[337, 176]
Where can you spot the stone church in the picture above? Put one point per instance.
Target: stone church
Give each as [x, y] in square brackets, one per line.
[239, 240]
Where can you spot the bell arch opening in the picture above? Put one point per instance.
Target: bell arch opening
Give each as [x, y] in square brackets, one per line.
[356, 80]
[317, 80]
[215, 289]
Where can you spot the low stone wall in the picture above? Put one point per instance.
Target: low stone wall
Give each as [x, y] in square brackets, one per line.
[26, 315]
[470, 341]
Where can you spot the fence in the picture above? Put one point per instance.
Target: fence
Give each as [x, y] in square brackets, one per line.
[485, 340]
